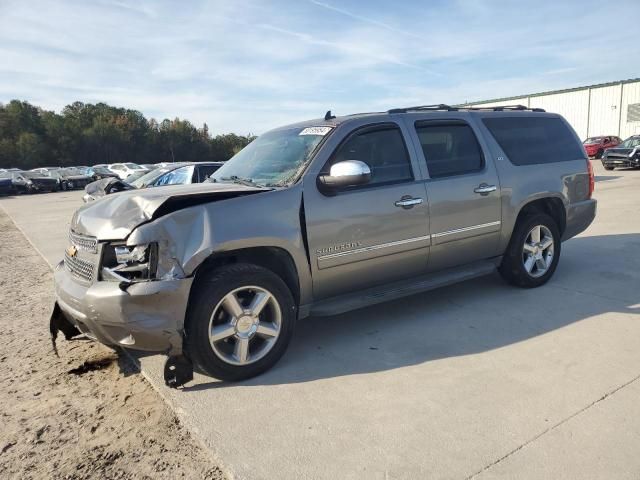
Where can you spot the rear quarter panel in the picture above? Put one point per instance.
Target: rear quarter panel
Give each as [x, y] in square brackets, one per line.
[521, 184]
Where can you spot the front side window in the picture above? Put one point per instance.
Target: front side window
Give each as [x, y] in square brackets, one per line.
[449, 149]
[382, 149]
[205, 171]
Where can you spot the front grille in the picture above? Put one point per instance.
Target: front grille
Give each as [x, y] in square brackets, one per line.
[80, 268]
[82, 242]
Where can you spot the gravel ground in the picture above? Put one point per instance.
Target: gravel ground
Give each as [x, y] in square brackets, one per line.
[104, 423]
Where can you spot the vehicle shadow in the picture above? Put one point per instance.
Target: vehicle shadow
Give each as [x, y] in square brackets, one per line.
[604, 178]
[469, 318]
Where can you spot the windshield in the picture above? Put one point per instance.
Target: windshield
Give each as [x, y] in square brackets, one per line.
[149, 177]
[273, 159]
[6, 175]
[630, 142]
[71, 171]
[132, 166]
[593, 140]
[101, 170]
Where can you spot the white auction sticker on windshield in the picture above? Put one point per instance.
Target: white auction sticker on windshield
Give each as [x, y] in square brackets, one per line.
[315, 131]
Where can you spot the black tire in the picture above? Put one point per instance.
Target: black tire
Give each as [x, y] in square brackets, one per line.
[607, 167]
[512, 268]
[209, 291]
[599, 153]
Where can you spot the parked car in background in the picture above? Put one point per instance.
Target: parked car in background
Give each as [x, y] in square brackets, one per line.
[6, 183]
[595, 146]
[44, 169]
[30, 182]
[150, 166]
[626, 154]
[318, 218]
[70, 178]
[98, 173]
[174, 174]
[125, 169]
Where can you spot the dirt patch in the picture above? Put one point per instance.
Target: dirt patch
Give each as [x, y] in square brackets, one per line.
[88, 413]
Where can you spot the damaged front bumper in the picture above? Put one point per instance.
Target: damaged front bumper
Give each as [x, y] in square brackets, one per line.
[145, 316]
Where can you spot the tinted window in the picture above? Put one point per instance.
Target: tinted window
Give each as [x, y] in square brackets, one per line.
[383, 150]
[449, 149]
[531, 140]
[205, 171]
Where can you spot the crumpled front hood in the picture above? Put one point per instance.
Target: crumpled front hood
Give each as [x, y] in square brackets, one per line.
[113, 217]
[619, 151]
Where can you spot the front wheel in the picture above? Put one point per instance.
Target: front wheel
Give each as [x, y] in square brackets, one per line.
[533, 252]
[240, 320]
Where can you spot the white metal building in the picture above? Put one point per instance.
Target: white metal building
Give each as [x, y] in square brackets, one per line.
[605, 109]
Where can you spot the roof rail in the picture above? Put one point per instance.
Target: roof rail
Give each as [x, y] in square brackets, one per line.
[440, 106]
[447, 108]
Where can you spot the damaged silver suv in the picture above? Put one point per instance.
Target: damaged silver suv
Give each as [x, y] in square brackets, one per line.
[318, 218]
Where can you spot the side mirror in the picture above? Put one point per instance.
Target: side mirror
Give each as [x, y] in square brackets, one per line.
[348, 173]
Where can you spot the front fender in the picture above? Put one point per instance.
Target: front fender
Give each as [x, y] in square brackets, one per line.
[187, 237]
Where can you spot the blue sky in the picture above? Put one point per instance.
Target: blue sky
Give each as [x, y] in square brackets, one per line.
[247, 66]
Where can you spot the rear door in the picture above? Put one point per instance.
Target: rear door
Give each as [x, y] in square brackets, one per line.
[372, 234]
[463, 190]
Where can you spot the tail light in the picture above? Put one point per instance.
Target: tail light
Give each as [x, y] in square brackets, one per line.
[592, 180]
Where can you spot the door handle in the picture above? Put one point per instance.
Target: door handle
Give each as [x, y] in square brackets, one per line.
[484, 189]
[408, 202]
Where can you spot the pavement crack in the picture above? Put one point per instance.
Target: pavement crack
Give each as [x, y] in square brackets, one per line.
[553, 427]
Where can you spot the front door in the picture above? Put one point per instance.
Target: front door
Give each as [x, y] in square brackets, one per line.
[372, 234]
[464, 193]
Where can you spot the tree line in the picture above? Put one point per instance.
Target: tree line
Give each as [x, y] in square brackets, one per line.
[89, 134]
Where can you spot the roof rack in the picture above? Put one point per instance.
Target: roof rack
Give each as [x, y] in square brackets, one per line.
[447, 108]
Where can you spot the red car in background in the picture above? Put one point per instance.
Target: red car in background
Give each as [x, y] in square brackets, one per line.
[595, 146]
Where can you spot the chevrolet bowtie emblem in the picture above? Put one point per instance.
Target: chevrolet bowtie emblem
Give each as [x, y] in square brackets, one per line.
[72, 251]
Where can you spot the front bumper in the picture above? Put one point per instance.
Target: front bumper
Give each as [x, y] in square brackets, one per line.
[621, 162]
[579, 217]
[142, 316]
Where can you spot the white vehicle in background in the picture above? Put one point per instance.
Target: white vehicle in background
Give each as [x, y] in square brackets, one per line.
[123, 170]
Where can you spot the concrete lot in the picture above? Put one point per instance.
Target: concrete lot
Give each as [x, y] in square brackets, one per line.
[477, 380]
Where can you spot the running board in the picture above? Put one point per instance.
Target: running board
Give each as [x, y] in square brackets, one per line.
[403, 288]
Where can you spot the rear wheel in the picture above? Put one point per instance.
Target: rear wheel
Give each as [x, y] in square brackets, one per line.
[240, 321]
[533, 252]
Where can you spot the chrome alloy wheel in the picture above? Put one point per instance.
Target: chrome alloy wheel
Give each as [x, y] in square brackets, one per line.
[245, 325]
[537, 253]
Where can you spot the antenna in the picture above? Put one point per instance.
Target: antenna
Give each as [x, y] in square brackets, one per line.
[328, 116]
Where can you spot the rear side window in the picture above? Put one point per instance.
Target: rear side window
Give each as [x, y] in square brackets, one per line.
[531, 140]
[383, 149]
[449, 149]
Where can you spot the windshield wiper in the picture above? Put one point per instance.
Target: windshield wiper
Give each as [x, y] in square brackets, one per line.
[242, 181]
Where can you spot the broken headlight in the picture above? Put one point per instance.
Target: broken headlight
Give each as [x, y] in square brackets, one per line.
[124, 263]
